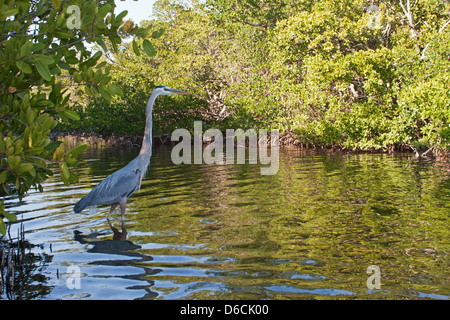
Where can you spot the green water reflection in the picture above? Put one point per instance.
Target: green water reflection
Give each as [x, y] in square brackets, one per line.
[227, 232]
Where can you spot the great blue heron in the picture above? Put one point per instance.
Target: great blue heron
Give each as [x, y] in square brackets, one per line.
[116, 188]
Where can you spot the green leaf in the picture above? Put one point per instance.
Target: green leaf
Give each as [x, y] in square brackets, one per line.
[98, 75]
[99, 23]
[96, 56]
[2, 227]
[49, 123]
[60, 19]
[30, 115]
[71, 161]
[101, 43]
[77, 77]
[136, 48]
[121, 15]
[45, 104]
[71, 59]
[100, 65]
[13, 162]
[10, 216]
[23, 66]
[47, 60]
[115, 40]
[63, 34]
[77, 150]
[3, 176]
[148, 48]
[37, 46]
[8, 13]
[89, 92]
[64, 171]
[73, 178]
[64, 65]
[105, 93]
[43, 70]
[115, 90]
[52, 146]
[27, 168]
[158, 33]
[71, 114]
[25, 50]
[89, 74]
[104, 10]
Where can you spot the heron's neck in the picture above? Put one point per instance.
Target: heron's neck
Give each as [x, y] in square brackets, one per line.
[146, 148]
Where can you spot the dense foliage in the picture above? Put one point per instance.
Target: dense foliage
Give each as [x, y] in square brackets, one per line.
[46, 56]
[345, 73]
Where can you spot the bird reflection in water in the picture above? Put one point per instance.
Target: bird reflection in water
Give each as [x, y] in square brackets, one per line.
[120, 245]
[117, 244]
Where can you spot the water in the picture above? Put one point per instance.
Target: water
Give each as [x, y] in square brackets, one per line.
[226, 232]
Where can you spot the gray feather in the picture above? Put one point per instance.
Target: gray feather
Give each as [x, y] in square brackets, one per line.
[113, 189]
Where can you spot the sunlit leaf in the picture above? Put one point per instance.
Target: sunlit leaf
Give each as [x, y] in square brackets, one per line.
[77, 150]
[64, 170]
[115, 90]
[148, 48]
[25, 50]
[43, 70]
[23, 66]
[105, 93]
[104, 10]
[136, 48]
[121, 15]
[47, 60]
[71, 114]
[3, 176]
[2, 227]
[158, 33]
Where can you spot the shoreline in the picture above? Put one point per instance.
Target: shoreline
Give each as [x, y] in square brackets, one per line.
[288, 140]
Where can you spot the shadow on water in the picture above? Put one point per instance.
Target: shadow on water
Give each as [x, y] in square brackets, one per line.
[226, 232]
[119, 245]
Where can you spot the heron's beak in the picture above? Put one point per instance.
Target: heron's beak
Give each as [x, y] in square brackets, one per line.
[178, 91]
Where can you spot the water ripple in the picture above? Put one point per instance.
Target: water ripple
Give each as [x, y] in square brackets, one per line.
[226, 232]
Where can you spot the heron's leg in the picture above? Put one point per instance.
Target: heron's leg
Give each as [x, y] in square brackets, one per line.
[123, 207]
[113, 207]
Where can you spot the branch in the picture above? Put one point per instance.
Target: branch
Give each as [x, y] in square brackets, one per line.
[32, 15]
[106, 55]
[409, 17]
[54, 49]
[401, 17]
[45, 160]
[403, 8]
[426, 152]
[254, 24]
[422, 56]
[67, 45]
[393, 10]
[35, 164]
[443, 27]
[415, 150]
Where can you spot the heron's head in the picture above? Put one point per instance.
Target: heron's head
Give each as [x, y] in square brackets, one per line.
[163, 90]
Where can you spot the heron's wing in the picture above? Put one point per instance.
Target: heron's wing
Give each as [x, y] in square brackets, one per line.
[114, 188]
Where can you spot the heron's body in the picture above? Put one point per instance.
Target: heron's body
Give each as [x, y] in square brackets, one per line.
[115, 189]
